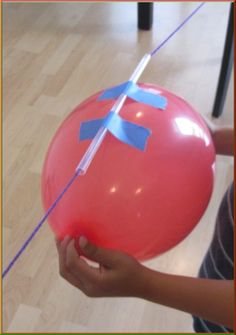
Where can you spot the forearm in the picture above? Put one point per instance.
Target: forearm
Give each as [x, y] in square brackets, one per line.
[223, 139]
[206, 298]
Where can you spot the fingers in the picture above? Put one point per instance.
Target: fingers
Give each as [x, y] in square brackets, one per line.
[105, 257]
[113, 271]
[61, 248]
[72, 267]
[77, 266]
[63, 269]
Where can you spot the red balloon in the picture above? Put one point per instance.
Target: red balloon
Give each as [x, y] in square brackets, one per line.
[142, 203]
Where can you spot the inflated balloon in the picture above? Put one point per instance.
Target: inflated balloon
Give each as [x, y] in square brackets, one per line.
[142, 203]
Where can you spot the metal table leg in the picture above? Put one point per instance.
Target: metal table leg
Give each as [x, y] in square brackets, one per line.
[226, 67]
[145, 15]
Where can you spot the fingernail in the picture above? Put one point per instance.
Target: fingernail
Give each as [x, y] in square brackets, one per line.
[83, 242]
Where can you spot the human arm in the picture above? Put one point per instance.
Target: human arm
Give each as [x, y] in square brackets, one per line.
[209, 299]
[121, 275]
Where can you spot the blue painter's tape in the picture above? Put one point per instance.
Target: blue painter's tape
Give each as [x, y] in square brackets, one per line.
[89, 129]
[116, 91]
[123, 130]
[127, 132]
[136, 93]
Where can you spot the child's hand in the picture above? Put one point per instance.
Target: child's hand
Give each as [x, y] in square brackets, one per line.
[121, 275]
[118, 275]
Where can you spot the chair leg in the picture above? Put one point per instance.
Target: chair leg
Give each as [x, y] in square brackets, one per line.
[145, 15]
[226, 67]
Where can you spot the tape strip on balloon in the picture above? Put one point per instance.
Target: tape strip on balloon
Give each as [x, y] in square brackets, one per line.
[125, 131]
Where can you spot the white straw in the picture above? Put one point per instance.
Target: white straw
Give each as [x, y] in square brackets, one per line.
[96, 142]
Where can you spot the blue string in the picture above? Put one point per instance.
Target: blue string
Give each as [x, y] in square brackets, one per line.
[39, 225]
[176, 30]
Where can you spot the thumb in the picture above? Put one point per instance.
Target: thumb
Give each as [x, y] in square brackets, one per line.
[99, 255]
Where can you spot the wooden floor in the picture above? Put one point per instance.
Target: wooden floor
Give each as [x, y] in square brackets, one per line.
[56, 55]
